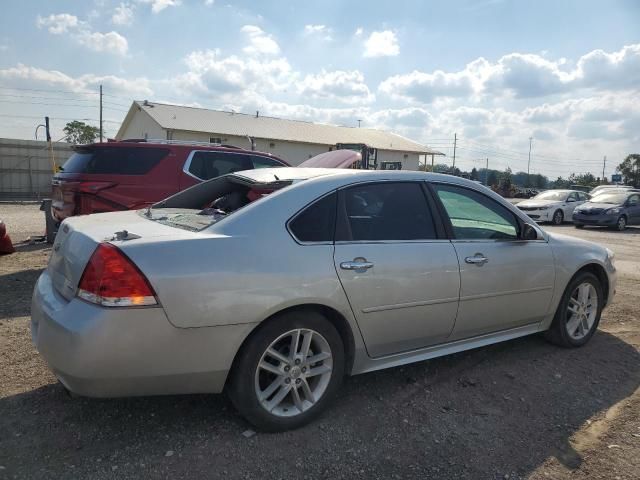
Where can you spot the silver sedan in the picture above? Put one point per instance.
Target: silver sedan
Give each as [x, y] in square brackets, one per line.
[274, 284]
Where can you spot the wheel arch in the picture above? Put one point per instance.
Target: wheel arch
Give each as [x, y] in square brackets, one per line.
[331, 314]
[600, 273]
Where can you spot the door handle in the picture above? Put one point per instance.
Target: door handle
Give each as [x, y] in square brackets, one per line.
[356, 265]
[478, 259]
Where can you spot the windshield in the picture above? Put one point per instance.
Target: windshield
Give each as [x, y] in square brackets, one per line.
[552, 195]
[615, 198]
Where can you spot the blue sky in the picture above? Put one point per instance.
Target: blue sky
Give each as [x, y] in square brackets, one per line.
[496, 72]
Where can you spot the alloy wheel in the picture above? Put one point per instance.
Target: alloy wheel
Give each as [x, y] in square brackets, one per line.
[558, 217]
[622, 223]
[582, 311]
[293, 373]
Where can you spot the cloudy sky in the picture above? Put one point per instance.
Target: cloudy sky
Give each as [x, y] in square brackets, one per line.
[496, 72]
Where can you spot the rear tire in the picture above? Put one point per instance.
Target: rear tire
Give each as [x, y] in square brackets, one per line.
[277, 387]
[558, 217]
[579, 225]
[578, 314]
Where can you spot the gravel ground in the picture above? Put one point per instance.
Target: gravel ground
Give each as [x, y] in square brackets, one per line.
[520, 409]
[23, 220]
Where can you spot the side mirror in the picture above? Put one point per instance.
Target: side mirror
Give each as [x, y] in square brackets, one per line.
[529, 232]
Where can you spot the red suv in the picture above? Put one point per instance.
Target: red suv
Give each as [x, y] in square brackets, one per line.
[131, 174]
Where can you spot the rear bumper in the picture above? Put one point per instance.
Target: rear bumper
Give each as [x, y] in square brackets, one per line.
[101, 352]
[603, 220]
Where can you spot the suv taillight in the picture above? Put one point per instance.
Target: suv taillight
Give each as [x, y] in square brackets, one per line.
[110, 279]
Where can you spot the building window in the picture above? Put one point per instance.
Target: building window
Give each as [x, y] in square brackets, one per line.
[215, 140]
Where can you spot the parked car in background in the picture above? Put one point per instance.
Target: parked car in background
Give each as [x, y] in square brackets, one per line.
[614, 209]
[555, 206]
[130, 174]
[605, 188]
[275, 297]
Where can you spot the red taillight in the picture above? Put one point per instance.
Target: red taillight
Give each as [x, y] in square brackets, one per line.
[110, 279]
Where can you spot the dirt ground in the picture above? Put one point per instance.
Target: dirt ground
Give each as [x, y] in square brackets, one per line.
[520, 409]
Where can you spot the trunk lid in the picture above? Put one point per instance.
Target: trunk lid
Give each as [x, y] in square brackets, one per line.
[79, 236]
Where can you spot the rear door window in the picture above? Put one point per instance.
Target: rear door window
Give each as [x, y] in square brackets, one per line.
[265, 162]
[208, 165]
[114, 160]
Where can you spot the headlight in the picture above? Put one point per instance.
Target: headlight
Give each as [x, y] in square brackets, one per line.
[613, 211]
[544, 208]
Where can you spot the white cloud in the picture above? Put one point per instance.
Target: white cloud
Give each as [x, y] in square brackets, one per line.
[341, 86]
[79, 31]
[359, 31]
[259, 41]
[59, 23]
[209, 3]
[110, 42]
[321, 31]
[381, 44]
[523, 76]
[27, 76]
[158, 5]
[425, 87]
[232, 77]
[123, 14]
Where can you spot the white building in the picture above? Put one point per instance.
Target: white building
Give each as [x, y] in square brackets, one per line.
[291, 140]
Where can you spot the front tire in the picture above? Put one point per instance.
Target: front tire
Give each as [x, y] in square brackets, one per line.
[578, 314]
[579, 225]
[288, 371]
[621, 224]
[558, 217]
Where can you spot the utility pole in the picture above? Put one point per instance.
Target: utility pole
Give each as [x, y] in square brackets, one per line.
[486, 174]
[359, 123]
[455, 142]
[100, 113]
[529, 163]
[604, 164]
[50, 145]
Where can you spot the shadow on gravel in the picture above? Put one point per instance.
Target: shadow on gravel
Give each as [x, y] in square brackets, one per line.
[491, 412]
[17, 288]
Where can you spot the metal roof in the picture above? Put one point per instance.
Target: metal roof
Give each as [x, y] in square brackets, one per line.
[177, 117]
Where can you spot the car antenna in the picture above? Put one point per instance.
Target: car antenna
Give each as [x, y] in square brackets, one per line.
[276, 177]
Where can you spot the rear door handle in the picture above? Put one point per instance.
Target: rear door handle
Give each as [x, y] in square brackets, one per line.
[356, 265]
[478, 259]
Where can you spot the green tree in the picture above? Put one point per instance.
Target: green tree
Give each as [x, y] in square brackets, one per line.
[79, 132]
[630, 169]
[561, 183]
[586, 179]
[506, 179]
[474, 174]
[492, 179]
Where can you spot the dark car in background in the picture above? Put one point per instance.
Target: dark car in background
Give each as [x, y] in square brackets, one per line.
[614, 209]
[131, 174]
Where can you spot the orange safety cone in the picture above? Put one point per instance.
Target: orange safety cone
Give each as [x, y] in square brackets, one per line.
[5, 240]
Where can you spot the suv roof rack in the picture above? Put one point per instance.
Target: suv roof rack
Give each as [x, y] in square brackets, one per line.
[177, 142]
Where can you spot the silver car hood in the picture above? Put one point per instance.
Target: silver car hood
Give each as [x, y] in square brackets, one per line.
[537, 203]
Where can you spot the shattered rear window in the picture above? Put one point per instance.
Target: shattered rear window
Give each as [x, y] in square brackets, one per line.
[184, 218]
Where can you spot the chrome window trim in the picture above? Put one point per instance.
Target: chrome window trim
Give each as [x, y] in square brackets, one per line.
[187, 163]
